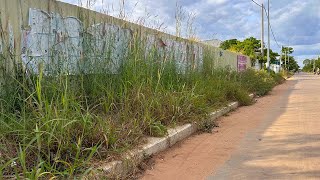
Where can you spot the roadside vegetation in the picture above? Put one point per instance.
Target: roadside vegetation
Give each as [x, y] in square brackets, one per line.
[310, 65]
[251, 47]
[55, 126]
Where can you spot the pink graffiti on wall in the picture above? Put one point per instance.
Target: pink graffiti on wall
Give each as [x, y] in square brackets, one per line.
[242, 63]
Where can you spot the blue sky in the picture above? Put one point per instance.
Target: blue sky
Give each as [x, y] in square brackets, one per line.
[294, 22]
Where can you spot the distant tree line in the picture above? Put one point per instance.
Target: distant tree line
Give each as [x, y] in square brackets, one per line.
[252, 47]
[311, 64]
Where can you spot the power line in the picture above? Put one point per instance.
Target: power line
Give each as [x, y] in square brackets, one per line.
[270, 24]
[256, 3]
[274, 36]
[271, 28]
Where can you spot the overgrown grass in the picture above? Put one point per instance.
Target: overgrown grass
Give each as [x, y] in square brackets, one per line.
[54, 125]
[260, 82]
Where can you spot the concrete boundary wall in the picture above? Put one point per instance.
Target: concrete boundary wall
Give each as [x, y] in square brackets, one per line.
[52, 33]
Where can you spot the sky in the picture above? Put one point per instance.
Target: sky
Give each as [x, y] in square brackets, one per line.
[295, 23]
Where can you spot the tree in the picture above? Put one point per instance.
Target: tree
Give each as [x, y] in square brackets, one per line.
[273, 56]
[250, 47]
[308, 64]
[226, 45]
[287, 50]
[290, 62]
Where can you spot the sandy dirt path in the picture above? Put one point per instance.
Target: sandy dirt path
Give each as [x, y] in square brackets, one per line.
[277, 138]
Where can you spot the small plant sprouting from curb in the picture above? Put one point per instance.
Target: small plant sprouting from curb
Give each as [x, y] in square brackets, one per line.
[158, 130]
[207, 125]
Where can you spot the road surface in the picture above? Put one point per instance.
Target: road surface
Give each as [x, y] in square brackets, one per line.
[277, 138]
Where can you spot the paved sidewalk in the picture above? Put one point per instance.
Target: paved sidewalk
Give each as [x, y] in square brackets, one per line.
[287, 144]
[277, 138]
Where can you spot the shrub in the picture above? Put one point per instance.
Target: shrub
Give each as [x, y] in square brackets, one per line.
[259, 82]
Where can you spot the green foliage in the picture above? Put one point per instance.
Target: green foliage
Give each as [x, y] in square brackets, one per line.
[273, 56]
[158, 129]
[311, 64]
[291, 63]
[260, 82]
[307, 62]
[287, 50]
[279, 78]
[249, 47]
[228, 44]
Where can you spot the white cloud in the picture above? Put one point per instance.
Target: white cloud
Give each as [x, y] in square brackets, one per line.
[216, 2]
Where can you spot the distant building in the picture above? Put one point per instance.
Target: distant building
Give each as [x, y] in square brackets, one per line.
[213, 42]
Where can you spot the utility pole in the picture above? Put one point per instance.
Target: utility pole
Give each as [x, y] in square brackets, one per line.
[280, 67]
[268, 54]
[314, 65]
[262, 32]
[285, 58]
[288, 49]
[288, 61]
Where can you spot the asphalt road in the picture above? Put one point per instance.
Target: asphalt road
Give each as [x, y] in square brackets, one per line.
[277, 138]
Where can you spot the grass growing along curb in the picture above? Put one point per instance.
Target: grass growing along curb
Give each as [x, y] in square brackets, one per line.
[53, 126]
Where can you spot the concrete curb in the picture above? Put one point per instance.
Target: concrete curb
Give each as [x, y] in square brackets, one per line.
[155, 145]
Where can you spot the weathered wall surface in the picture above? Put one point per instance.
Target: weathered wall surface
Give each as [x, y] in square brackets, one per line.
[71, 39]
